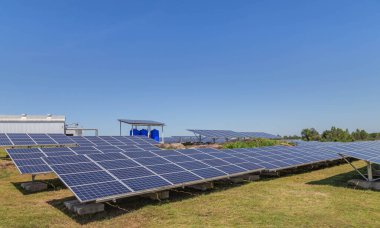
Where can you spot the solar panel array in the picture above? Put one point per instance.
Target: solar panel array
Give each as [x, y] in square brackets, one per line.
[228, 134]
[105, 168]
[367, 151]
[61, 139]
[119, 174]
[261, 135]
[29, 160]
[218, 133]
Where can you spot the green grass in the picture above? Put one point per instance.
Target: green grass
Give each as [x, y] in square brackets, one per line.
[313, 199]
[254, 143]
[2, 153]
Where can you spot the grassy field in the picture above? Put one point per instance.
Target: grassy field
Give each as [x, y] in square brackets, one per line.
[314, 199]
[254, 143]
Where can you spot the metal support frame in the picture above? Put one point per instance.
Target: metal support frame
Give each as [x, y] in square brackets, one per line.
[369, 170]
[33, 177]
[149, 128]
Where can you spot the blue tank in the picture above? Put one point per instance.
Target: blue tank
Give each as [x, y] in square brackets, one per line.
[135, 132]
[155, 134]
[144, 132]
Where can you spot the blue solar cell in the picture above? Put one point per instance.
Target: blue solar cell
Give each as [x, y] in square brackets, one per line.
[130, 149]
[250, 166]
[141, 154]
[86, 178]
[193, 165]
[25, 162]
[23, 150]
[181, 177]
[131, 172]
[92, 192]
[208, 173]
[181, 158]
[215, 162]
[56, 149]
[106, 157]
[301, 160]
[151, 161]
[222, 155]
[118, 164]
[231, 169]
[34, 169]
[26, 156]
[59, 154]
[108, 147]
[201, 156]
[66, 160]
[89, 151]
[146, 183]
[189, 151]
[165, 168]
[208, 150]
[292, 162]
[267, 165]
[75, 168]
[234, 160]
[165, 153]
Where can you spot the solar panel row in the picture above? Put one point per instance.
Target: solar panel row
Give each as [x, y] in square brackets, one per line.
[94, 176]
[228, 134]
[29, 160]
[60, 139]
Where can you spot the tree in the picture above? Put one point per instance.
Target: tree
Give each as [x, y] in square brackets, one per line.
[337, 135]
[310, 134]
[360, 135]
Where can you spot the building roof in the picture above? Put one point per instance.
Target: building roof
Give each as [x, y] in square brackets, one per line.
[141, 122]
[32, 118]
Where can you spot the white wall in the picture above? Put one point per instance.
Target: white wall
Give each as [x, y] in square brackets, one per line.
[32, 127]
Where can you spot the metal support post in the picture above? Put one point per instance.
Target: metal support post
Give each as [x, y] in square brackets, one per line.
[369, 171]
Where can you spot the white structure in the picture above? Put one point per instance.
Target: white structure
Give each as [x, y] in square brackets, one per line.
[75, 131]
[32, 124]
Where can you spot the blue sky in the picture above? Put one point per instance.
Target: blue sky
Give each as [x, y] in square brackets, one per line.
[274, 66]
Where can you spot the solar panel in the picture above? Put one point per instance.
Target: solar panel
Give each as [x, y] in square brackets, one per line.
[27, 157]
[61, 139]
[262, 135]
[138, 174]
[217, 133]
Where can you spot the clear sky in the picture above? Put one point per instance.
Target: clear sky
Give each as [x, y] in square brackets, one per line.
[273, 66]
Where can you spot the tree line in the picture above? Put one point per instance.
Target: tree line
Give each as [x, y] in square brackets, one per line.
[337, 135]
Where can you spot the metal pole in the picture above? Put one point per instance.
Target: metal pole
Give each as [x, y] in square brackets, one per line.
[344, 158]
[120, 127]
[162, 128]
[369, 171]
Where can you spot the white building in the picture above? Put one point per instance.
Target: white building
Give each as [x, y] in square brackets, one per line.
[32, 124]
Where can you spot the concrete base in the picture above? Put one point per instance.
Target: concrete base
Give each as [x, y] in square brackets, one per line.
[82, 208]
[157, 195]
[362, 184]
[202, 186]
[70, 204]
[34, 186]
[86, 209]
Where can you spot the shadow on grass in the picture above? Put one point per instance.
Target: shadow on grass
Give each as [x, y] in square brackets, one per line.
[340, 180]
[128, 205]
[53, 185]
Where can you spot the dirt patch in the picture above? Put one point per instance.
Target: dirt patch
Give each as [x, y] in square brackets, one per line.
[5, 164]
